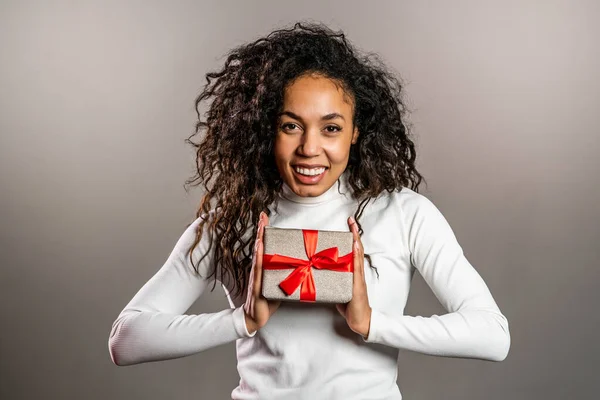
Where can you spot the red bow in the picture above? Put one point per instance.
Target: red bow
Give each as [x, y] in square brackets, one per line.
[302, 274]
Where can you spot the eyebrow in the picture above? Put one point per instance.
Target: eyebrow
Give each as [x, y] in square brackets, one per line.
[323, 118]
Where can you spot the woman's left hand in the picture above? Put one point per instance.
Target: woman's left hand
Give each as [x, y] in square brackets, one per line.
[357, 312]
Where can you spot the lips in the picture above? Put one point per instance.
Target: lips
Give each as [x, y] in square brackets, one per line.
[309, 175]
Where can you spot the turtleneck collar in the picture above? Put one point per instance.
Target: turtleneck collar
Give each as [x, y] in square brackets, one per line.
[328, 195]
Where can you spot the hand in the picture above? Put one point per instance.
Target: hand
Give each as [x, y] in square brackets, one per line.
[357, 312]
[257, 309]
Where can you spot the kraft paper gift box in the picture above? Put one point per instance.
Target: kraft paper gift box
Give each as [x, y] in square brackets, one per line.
[307, 265]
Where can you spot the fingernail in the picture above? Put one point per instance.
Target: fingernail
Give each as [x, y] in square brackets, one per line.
[352, 220]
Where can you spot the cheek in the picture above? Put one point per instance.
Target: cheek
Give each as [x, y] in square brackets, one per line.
[282, 150]
[338, 152]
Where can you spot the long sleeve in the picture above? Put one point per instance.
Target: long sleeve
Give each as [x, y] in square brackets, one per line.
[152, 326]
[474, 327]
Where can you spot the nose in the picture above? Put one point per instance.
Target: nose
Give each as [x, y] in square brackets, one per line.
[310, 144]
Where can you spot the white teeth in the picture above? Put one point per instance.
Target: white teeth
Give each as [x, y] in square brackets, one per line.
[310, 172]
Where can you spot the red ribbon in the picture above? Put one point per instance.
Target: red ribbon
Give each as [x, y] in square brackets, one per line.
[302, 274]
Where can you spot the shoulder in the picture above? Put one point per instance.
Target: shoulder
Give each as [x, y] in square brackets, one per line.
[205, 238]
[421, 218]
[192, 227]
[417, 213]
[409, 202]
[190, 233]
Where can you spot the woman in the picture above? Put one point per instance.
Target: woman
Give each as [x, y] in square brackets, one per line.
[304, 128]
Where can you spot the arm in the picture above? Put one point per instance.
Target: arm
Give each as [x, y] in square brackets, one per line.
[152, 327]
[474, 327]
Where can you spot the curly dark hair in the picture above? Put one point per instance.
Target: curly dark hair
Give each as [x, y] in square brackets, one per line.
[234, 159]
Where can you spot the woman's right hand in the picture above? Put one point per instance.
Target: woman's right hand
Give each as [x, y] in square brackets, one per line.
[257, 308]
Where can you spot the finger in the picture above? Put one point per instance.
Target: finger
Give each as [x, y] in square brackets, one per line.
[255, 248]
[359, 261]
[353, 227]
[258, 237]
[355, 234]
[355, 239]
[261, 225]
[265, 220]
[357, 243]
[250, 290]
[359, 284]
[257, 284]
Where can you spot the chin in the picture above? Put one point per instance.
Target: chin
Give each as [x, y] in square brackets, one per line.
[313, 192]
[310, 190]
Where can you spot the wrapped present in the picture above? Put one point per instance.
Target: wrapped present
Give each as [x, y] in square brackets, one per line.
[307, 265]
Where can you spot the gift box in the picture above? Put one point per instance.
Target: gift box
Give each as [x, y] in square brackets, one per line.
[307, 265]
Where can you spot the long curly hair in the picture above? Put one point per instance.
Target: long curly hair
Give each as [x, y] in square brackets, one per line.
[234, 157]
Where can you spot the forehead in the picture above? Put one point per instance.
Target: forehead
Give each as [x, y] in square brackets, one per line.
[318, 95]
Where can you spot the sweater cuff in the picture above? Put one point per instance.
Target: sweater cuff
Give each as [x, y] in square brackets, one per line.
[239, 321]
[376, 321]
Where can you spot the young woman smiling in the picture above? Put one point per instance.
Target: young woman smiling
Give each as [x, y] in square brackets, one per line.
[304, 132]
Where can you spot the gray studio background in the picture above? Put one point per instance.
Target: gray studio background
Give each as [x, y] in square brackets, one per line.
[96, 99]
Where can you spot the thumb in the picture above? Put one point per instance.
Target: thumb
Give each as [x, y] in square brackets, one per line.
[341, 309]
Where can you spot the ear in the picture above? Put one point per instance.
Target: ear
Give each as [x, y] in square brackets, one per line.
[355, 135]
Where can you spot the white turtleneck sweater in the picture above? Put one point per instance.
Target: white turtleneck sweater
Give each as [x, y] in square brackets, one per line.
[306, 351]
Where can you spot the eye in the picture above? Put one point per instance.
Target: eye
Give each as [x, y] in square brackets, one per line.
[332, 129]
[289, 126]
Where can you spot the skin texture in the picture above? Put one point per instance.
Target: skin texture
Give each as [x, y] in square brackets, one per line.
[305, 136]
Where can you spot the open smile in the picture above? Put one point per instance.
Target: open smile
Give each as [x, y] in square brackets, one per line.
[309, 175]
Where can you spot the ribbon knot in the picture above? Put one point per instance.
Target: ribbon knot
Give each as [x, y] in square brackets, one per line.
[302, 275]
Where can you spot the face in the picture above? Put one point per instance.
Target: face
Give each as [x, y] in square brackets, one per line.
[314, 134]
